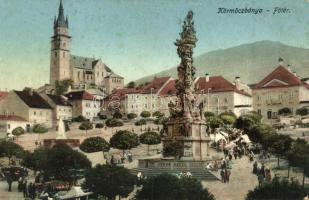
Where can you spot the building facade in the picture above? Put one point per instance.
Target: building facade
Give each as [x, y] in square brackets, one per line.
[280, 89]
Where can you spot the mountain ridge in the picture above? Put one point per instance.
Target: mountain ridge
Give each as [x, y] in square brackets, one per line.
[251, 61]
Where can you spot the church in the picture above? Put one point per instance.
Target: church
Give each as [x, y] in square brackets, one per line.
[85, 72]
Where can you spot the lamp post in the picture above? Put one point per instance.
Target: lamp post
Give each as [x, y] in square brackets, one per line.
[208, 98]
[151, 101]
[218, 103]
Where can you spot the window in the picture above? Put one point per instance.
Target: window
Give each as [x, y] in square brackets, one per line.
[269, 114]
[40, 113]
[225, 100]
[9, 126]
[259, 111]
[63, 54]
[34, 113]
[56, 54]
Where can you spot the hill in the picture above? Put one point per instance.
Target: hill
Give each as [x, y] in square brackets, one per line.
[251, 62]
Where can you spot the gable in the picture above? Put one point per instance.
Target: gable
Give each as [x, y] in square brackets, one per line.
[275, 83]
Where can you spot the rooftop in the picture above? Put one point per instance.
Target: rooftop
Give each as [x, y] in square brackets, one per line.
[11, 118]
[32, 99]
[80, 95]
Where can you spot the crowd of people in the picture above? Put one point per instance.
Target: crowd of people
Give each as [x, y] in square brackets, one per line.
[263, 173]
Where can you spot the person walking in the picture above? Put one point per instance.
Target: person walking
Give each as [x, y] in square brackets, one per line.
[227, 175]
[255, 169]
[25, 189]
[222, 176]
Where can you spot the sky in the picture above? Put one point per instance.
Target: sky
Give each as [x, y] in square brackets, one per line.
[135, 38]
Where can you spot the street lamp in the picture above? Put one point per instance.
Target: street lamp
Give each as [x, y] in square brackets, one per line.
[151, 101]
[208, 98]
[218, 103]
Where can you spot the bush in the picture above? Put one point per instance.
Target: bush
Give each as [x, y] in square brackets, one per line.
[208, 114]
[79, 119]
[284, 111]
[94, 144]
[228, 119]
[124, 140]
[131, 115]
[277, 189]
[174, 149]
[117, 115]
[102, 116]
[99, 125]
[145, 114]
[158, 114]
[167, 186]
[140, 122]
[39, 128]
[302, 111]
[113, 122]
[18, 131]
[214, 122]
[85, 126]
[161, 120]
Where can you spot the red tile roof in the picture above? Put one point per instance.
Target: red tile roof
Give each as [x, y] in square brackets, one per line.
[3, 95]
[156, 84]
[168, 89]
[280, 74]
[11, 118]
[80, 95]
[216, 84]
[121, 93]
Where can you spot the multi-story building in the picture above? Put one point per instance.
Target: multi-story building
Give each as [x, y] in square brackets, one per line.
[280, 89]
[60, 105]
[84, 104]
[219, 95]
[28, 105]
[9, 122]
[85, 72]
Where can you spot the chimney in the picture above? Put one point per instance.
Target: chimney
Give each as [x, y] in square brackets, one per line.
[280, 60]
[289, 68]
[207, 77]
[237, 82]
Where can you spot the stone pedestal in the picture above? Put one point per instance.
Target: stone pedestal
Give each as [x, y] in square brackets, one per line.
[191, 135]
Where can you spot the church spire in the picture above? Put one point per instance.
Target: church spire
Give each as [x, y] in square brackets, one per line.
[61, 21]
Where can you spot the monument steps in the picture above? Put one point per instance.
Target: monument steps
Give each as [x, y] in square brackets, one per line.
[198, 173]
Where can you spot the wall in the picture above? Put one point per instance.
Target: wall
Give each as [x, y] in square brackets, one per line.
[41, 116]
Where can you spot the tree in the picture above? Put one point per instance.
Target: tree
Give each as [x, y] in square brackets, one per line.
[131, 84]
[62, 87]
[131, 116]
[160, 120]
[39, 128]
[166, 186]
[208, 114]
[302, 111]
[99, 125]
[158, 114]
[86, 125]
[18, 131]
[117, 115]
[281, 145]
[94, 144]
[124, 140]
[109, 181]
[36, 160]
[113, 122]
[61, 158]
[228, 119]
[140, 122]
[244, 122]
[79, 119]
[150, 138]
[174, 149]
[9, 149]
[298, 156]
[284, 111]
[145, 114]
[214, 122]
[277, 189]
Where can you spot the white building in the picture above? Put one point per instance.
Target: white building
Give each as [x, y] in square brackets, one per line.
[219, 95]
[84, 104]
[9, 122]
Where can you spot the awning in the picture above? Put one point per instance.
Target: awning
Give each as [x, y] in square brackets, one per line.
[75, 192]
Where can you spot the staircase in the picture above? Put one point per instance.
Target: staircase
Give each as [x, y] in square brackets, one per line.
[198, 173]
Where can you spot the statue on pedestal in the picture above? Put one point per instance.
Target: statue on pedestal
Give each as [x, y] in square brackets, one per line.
[61, 130]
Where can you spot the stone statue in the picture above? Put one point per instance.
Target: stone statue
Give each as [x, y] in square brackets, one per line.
[61, 130]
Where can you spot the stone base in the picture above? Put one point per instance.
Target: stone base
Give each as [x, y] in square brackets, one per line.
[155, 167]
[49, 143]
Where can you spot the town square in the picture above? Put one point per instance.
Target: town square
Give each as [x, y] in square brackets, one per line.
[154, 100]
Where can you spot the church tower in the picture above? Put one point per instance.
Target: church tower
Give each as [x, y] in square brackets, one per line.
[60, 49]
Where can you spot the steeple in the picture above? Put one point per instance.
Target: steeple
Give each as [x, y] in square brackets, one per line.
[61, 21]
